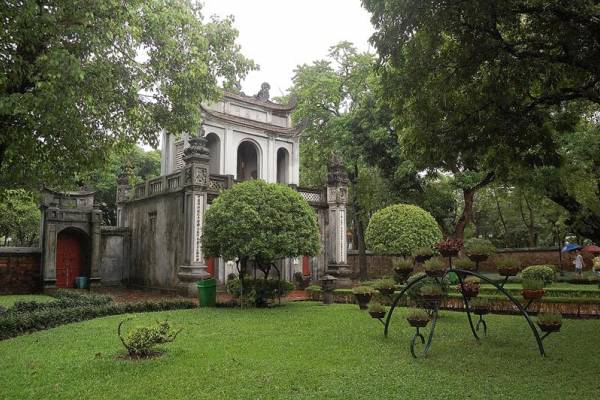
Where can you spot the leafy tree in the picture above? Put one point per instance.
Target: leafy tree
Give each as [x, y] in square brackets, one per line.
[489, 88]
[79, 78]
[144, 165]
[19, 218]
[260, 223]
[402, 229]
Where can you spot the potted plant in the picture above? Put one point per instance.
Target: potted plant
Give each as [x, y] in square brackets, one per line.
[533, 289]
[363, 295]
[385, 286]
[402, 267]
[479, 306]
[449, 247]
[549, 321]
[435, 267]
[478, 249]
[422, 254]
[418, 318]
[470, 287]
[431, 293]
[376, 310]
[508, 266]
[464, 263]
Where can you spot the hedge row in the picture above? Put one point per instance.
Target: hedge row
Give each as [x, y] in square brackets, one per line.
[14, 324]
[64, 299]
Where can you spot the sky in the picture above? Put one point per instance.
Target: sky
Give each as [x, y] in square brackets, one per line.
[282, 34]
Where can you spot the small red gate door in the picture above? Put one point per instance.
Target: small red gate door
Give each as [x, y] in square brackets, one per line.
[68, 259]
[210, 266]
[305, 265]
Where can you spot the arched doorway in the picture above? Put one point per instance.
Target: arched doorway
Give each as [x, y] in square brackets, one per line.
[247, 161]
[283, 162]
[72, 257]
[214, 148]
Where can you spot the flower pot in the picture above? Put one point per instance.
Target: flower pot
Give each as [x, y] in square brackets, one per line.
[529, 294]
[363, 300]
[431, 298]
[477, 257]
[377, 314]
[480, 310]
[417, 323]
[448, 253]
[402, 274]
[550, 327]
[437, 273]
[508, 271]
[422, 259]
[387, 291]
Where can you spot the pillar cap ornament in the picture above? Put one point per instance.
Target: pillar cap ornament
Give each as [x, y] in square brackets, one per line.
[197, 151]
[336, 172]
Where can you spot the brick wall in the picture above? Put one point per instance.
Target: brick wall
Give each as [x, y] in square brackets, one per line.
[380, 266]
[20, 270]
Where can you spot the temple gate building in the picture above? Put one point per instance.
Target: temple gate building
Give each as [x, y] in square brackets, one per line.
[157, 241]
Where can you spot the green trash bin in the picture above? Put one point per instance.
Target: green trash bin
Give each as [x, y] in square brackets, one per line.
[82, 282]
[207, 292]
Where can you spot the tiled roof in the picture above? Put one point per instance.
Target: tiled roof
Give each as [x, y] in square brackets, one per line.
[251, 123]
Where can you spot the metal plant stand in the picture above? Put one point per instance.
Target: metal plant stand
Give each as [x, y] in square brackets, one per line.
[474, 327]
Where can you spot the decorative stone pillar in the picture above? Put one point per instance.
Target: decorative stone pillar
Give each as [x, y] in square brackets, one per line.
[337, 199]
[123, 192]
[196, 177]
[95, 256]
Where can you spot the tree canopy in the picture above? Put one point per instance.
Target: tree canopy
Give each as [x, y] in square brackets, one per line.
[491, 89]
[260, 222]
[79, 78]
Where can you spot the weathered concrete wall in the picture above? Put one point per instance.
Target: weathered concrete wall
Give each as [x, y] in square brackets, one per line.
[20, 270]
[114, 255]
[157, 236]
[381, 266]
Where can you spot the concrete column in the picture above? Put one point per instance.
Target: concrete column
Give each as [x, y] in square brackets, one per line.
[337, 199]
[196, 176]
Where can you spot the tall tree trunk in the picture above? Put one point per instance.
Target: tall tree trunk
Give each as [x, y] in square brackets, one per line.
[501, 216]
[469, 197]
[467, 214]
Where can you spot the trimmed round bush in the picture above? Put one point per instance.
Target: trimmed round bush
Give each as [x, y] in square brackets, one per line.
[543, 273]
[401, 229]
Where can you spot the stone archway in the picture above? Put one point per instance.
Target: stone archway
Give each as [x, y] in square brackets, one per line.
[72, 257]
[248, 161]
[283, 166]
[214, 149]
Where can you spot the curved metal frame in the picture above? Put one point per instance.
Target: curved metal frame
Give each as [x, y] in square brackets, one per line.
[461, 275]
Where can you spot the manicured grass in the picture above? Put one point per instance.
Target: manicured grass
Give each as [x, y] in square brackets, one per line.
[8, 300]
[303, 351]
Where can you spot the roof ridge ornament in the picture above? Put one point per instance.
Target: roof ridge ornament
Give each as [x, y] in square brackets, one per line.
[263, 94]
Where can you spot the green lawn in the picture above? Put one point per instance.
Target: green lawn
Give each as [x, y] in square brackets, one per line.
[302, 351]
[8, 300]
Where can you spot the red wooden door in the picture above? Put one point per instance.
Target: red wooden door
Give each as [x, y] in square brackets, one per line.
[68, 259]
[305, 265]
[210, 266]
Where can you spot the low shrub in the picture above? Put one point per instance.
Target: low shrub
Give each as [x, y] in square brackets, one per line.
[431, 290]
[532, 284]
[423, 252]
[15, 324]
[403, 264]
[259, 291]
[545, 273]
[376, 307]
[141, 341]
[384, 284]
[413, 292]
[64, 299]
[362, 290]
[479, 302]
[434, 264]
[479, 246]
[417, 314]
[313, 288]
[549, 318]
[463, 263]
[508, 262]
